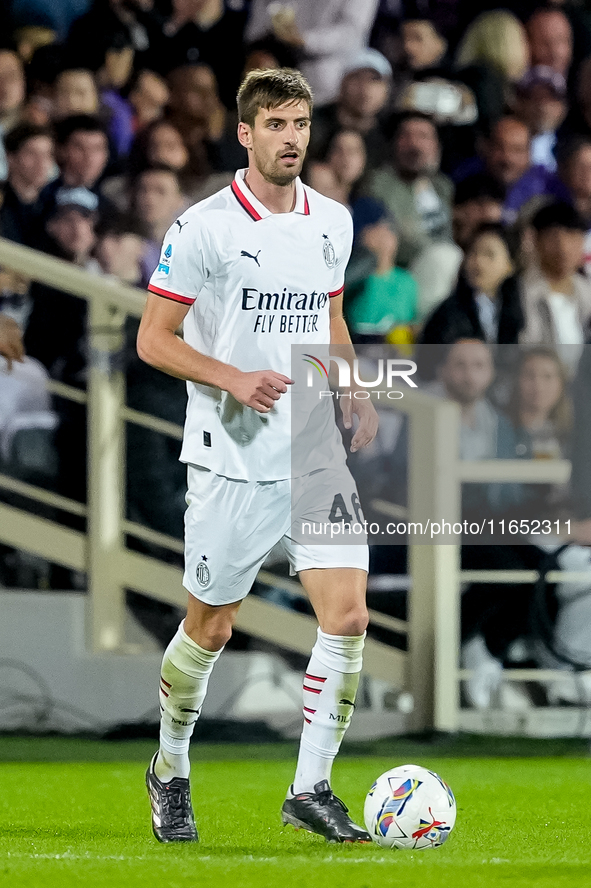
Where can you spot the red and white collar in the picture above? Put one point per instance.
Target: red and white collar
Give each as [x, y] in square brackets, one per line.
[255, 209]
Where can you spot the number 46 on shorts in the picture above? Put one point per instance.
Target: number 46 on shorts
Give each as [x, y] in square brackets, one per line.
[339, 511]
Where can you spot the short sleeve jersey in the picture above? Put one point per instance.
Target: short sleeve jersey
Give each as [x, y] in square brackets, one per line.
[257, 283]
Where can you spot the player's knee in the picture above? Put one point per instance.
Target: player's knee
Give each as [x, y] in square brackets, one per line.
[359, 621]
[354, 621]
[211, 635]
[216, 636]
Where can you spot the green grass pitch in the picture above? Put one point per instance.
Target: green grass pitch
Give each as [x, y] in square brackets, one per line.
[75, 813]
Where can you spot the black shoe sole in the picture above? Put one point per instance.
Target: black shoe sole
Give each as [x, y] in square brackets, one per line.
[299, 824]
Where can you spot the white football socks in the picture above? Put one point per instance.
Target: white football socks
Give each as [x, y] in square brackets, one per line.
[184, 676]
[330, 686]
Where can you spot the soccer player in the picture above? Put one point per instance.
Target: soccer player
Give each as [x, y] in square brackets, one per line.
[249, 272]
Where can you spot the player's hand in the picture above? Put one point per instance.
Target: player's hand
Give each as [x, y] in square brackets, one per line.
[11, 341]
[368, 420]
[259, 389]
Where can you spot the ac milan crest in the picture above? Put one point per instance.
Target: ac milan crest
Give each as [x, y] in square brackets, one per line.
[328, 252]
[203, 574]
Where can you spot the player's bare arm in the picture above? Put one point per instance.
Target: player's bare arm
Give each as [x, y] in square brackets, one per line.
[159, 345]
[364, 409]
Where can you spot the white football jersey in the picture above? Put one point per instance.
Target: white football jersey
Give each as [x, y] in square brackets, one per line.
[257, 283]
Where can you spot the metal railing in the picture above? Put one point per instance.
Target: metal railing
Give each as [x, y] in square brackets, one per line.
[429, 669]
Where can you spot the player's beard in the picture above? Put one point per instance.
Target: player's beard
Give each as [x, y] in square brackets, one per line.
[272, 172]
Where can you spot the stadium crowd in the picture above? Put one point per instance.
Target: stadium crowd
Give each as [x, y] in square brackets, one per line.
[458, 135]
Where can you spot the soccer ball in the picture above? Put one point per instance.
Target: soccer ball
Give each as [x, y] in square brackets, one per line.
[410, 807]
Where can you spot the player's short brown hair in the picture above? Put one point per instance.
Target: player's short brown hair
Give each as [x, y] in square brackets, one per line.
[269, 88]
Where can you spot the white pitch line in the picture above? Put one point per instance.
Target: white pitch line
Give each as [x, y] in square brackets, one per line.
[248, 858]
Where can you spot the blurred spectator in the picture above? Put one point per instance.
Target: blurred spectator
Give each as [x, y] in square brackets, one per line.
[423, 44]
[156, 201]
[116, 66]
[112, 76]
[12, 98]
[507, 153]
[30, 38]
[71, 226]
[148, 96]
[109, 54]
[541, 413]
[550, 39]
[466, 373]
[452, 107]
[557, 299]
[325, 34]
[364, 92]
[419, 197]
[493, 616]
[496, 39]
[477, 199]
[29, 151]
[431, 85]
[485, 304]
[206, 32]
[506, 157]
[539, 407]
[120, 250]
[159, 142]
[207, 128]
[340, 175]
[82, 150]
[42, 71]
[578, 119]
[387, 297]
[574, 167]
[27, 423]
[56, 331]
[493, 55]
[75, 92]
[11, 340]
[541, 103]
[412, 187]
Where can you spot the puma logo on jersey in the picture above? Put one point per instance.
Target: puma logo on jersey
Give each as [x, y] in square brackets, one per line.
[180, 224]
[250, 256]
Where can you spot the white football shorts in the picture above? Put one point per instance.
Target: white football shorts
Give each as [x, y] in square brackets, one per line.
[231, 526]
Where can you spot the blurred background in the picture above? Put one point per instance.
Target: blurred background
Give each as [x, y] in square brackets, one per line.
[459, 137]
